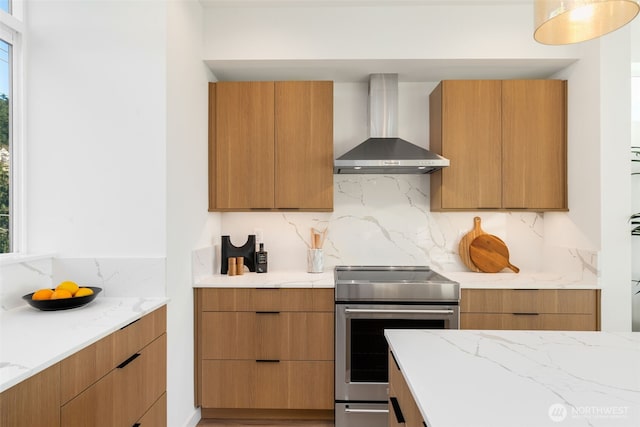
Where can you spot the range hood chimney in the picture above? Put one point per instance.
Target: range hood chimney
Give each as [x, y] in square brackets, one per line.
[384, 152]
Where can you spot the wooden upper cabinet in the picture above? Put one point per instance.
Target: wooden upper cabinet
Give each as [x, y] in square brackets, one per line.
[271, 146]
[468, 115]
[244, 145]
[304, 145]
[534, 171]
[506, 140]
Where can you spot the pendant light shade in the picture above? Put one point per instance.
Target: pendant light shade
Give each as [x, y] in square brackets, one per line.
[572, 21]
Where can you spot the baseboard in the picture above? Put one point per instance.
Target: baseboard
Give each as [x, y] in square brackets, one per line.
[194, 419]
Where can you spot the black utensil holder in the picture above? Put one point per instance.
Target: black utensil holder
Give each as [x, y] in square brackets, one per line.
[247, 251]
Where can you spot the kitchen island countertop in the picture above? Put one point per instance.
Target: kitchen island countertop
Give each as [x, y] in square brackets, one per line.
[33, 340]
[521, 378]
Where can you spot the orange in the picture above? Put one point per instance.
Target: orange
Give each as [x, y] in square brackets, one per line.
[42, 294]
[61, 294]
[83, 292]
[68, 285]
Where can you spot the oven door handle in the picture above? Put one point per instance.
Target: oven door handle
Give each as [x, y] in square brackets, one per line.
[366, 411]
[383, 311]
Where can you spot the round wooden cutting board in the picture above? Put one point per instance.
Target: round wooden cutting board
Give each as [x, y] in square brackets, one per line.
[463, 246]
[490, 254]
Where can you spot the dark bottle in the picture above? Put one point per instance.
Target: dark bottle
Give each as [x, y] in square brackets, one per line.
[261, 260]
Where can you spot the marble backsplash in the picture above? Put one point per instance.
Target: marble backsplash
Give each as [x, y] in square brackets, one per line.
[118, 277]
[385, 220]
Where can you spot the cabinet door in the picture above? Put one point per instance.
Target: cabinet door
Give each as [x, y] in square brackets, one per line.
[125, 394]
[156, 416]
[34, 402]
[244, 145]
[267, 385]
[465, 128]
[304, 145]
[534, 138]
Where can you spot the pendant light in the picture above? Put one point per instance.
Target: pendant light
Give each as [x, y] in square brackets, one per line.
[572, 21]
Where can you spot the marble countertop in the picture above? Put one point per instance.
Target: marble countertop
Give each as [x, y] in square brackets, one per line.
[276, 279]
[33, 340]
[469, 280]
[521, 378]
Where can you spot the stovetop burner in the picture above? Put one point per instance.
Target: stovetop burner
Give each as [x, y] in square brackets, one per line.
[393, 283]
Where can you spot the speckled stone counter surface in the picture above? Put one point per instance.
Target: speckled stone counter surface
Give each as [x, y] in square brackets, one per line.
[276, 279]
[522, 280]
[32, 340]
[521, 378]
[301, 279]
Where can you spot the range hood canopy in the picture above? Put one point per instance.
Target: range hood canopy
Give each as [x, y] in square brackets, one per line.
[384, 152]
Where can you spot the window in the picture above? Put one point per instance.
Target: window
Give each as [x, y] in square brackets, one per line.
[5, 149]
[10, 36]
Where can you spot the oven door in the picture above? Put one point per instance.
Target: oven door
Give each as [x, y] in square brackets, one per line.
[361, 366]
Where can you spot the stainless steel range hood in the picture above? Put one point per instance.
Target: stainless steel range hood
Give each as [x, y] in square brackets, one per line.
[384, 152]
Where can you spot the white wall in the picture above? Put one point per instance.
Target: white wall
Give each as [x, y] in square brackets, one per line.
[96, 96]
[189, 225]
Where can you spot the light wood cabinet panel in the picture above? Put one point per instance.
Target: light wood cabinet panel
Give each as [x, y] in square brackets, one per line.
[138, 334]
[271, 146]
[266, 299]
[267, 335]
[304, 145]
[265, 350]
[542, 322]
[124, 394]
[506, 140]
[34, 402]
[81, 369]
[244, 145]
[535, 309]
[157, 415]
[467, 131]
[534, 168]
[268, 385]
[399, 389]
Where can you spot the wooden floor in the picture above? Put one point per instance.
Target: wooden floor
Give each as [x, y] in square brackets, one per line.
[267, 423]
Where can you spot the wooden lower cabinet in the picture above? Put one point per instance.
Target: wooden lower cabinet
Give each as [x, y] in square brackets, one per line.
[268, 384]
[263, 350]
[34, 402]
[118, 381]
[530, 309]
[403, 410]
[123, 395]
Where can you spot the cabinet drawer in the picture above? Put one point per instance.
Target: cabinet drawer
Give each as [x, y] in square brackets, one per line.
[266, 299]
[549, 322]
[81, 369]
[574, 301]
[125, 394]
[138, 334]
[267, 335]
[267, 385]
[156, 416]
[405, 404]
[33, 402]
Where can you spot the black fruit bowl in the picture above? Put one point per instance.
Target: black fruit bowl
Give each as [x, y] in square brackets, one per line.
[62, 304]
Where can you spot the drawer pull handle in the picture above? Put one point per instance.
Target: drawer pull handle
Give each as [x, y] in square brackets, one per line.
[396, 410]
[129, 360]
[126, 326]
[394, 360]
[267, 361]
[267, 312]
[136, 425]
[525, 314]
